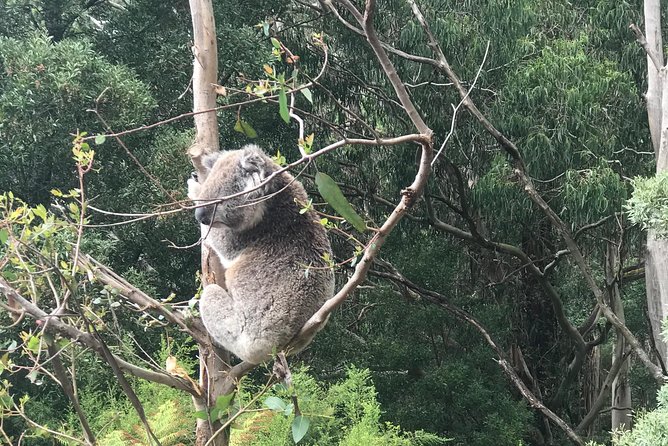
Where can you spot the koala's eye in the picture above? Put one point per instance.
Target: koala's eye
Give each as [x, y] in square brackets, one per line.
[194, 176]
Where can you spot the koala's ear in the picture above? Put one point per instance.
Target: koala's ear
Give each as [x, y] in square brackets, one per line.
[210, 159]
[253, 160]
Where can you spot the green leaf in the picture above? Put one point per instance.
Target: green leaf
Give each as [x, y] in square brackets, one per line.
[300, 426]
[33, 344]
[242, 126]
[4, 362]
[4, 235]
[279, 159]
[6, 400]
[265, 28]
[100, 139]
[275, 403]
[333, 195]
[283, 105]
[40, 211]
[307, 94]
[248, 130]
[223, 401]
[201, 414]
[276, 43]
[74, 208]
[33, 376]
[215, 414]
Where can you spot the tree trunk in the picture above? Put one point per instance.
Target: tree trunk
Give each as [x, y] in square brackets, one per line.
[205, 73]
[213, 366]
[592, 384]
[621, 389]
[652, 11]
[656, 260]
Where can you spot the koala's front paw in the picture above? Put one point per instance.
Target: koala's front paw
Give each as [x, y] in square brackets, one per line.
[193, 187]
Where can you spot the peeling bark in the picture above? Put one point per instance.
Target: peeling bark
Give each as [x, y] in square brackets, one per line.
[656, 260]
[621, 388]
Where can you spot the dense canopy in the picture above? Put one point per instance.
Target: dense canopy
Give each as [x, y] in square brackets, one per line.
[507, 307]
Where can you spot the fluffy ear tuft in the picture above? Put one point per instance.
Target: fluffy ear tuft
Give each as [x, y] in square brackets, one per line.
[210, 159]
[253, 160]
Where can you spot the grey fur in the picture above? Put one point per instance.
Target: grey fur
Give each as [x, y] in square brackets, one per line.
[265, 245]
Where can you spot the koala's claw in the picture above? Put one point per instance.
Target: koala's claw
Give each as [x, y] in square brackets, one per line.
[194, 176]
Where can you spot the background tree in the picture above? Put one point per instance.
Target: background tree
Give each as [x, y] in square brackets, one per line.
[522, 224]
[657, 246]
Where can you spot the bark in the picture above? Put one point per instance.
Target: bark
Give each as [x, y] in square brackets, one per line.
[592, 384]
[600, 400]
[656, 260]
[656, 284]
[652, 12]
[205, 75]
[214, 365]
[621, 388]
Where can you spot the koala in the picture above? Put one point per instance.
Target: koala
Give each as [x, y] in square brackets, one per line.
[276, 277]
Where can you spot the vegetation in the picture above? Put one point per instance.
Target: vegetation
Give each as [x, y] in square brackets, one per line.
[507, 307]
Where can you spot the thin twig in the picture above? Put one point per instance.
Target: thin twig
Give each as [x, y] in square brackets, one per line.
[89, 341]
[304, 159]
[456, 109]
[503, 362]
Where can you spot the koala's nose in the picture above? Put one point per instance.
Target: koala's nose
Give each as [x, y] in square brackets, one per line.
[203, 215]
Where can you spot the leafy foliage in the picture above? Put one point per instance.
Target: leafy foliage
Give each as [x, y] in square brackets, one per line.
[43, 99]
[648, 207]
[345, 413]
[171, 423]
[561, 79]
[649, 428]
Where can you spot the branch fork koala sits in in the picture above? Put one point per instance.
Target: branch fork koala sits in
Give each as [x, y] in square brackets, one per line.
[266, 247]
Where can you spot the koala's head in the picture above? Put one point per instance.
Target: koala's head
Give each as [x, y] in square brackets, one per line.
[228, 173]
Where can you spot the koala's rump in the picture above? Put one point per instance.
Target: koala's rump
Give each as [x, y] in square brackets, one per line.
[274, 293]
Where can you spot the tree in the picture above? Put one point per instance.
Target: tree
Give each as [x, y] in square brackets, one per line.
[524, 192]
[656, 262]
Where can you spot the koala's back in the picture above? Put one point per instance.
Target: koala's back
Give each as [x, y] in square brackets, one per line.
[275, 276]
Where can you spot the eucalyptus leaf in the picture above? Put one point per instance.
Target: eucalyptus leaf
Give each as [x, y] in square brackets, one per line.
[275, 403]
[300, 426]
[307, 94]
[201, 414]
[248, 130]
[332, 194]
[223, 401]
[238, 127]
[283, 105]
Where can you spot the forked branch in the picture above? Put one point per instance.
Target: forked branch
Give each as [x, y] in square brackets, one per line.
[87, 340]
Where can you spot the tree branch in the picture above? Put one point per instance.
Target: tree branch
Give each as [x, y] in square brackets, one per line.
[503, 362]
[108, 277]
[402, 94]
[87, 340]
[602, 394]
[409, 196]
[524, 180]
[640, 37]
[68, 389]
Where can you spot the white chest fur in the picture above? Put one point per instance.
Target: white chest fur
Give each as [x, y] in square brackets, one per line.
[209, 235]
